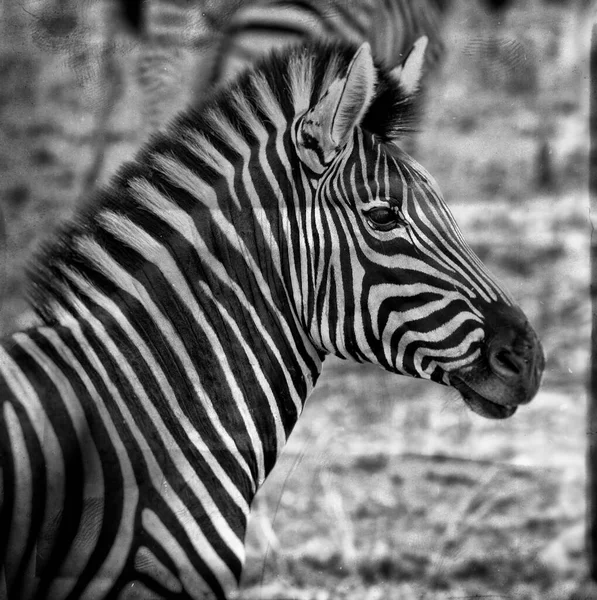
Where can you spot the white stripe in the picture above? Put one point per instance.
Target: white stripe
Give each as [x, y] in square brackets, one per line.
[191, 580]
[126, 282]
[190, 430]
[437, 336]
[185, 225]
[147, 563]
[301, 78]
[184, 178]
[93, 482]
[23, 491]
[114, 562]
[158, 478]
[380, 292]
[135, 237]
[29, 400]
[451, 237]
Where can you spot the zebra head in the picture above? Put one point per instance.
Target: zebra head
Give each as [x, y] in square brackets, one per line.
[390, 279]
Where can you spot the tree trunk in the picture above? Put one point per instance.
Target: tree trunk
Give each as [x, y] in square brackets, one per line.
[591, 533]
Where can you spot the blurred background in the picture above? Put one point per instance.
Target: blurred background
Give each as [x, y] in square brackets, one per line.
[389, 488]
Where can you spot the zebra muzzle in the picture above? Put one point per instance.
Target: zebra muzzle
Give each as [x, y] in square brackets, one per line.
[509, 371]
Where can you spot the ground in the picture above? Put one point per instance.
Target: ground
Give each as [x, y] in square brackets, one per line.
[390, 488]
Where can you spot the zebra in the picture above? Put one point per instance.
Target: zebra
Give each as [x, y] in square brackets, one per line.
[178, 43]
[390, 26]
[189, 46]
[185, 313]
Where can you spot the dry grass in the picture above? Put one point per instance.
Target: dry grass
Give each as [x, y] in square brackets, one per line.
[412, 496]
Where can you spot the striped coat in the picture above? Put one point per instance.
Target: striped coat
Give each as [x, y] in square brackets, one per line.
[185, 313]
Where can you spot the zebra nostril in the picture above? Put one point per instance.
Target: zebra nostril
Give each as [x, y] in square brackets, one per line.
[506, 363]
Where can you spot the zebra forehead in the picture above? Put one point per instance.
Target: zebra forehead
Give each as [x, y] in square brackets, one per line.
[385, 164]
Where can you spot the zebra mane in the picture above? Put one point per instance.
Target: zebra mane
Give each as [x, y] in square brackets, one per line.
[297, 77]
[393, 111]
[271, 95]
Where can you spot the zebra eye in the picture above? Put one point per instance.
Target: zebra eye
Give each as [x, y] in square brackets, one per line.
[383, 218]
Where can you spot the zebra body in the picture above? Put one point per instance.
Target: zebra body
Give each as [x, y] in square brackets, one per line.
[185, 314]
[189, 46]
[179, 41]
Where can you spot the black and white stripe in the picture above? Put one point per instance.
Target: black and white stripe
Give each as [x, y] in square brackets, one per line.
[189, 46]
[390, 26]
[186, 313]
[179, 41]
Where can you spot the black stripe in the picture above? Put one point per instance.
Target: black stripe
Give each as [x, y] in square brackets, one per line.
[186, 255]
[148, 496]
[450, 341]
[38, 478]
[71, 511]
[111, 470]
[174, 372]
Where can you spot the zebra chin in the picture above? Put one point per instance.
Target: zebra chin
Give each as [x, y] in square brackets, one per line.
[481, 405]
[509, 371]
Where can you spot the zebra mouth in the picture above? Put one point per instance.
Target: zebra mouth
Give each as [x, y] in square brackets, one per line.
[481, 405]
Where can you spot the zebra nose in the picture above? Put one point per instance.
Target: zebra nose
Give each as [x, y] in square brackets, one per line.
[516, 357]
[505, 362]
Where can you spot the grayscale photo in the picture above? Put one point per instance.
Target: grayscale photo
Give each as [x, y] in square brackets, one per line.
[298, 300]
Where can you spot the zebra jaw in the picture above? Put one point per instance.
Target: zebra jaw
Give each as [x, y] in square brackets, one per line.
[480, 404]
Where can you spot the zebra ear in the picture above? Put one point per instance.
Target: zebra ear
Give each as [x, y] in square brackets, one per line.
[326, 127]
[410, 72]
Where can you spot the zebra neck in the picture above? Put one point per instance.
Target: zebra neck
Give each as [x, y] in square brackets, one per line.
[255, 363]
[182, 269]
[213, 340]
[195, 365]
[223, 357]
